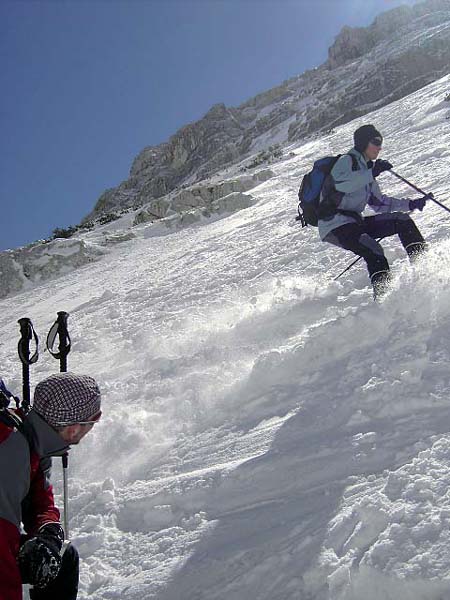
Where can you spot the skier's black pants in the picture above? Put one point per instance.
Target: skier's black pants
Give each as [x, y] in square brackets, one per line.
[65, 585]
[360, 238]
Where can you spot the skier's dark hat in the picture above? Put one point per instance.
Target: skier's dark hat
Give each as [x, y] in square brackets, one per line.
[365, 134]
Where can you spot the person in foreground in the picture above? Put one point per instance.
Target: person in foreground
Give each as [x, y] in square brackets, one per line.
[350, 187]
[65, 408]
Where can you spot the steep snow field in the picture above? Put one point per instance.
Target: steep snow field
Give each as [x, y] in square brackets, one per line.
[268, 433]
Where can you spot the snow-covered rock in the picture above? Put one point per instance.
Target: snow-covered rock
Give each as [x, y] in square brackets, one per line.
[25, 267]
[205, 196]
[31, 265]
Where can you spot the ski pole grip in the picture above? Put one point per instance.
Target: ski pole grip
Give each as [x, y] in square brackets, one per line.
[65, 460]
[64, 339]
[59, 329]
[27, 334]
[24, 355]
[25, 337]
[62, 317]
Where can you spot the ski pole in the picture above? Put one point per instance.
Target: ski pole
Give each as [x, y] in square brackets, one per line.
[27, 334]
[65, 465]
[59, 328]
[351, 265]
[348, 268]
[414, 187]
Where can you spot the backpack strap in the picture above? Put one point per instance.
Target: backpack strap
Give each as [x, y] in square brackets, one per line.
[355, 165]
[11, 419]
[329, 207]
[350, 213]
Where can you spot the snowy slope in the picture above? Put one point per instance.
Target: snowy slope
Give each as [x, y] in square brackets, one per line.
[268, 433]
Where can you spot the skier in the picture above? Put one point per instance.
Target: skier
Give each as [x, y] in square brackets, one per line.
[345, 194]
[65, 408]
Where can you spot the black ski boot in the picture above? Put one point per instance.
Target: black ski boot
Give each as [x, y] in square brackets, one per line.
[416, 250]
[380, 282]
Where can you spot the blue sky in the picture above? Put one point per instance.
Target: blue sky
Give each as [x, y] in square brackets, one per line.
[86, 84]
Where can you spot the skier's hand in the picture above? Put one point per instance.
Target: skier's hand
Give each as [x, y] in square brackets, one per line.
[419, 203]
[380, 166]
[39, 557]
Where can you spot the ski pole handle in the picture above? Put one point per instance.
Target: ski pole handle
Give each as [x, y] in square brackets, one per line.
[24, 355]
[26, 335]
[64, 340]
[59, 328]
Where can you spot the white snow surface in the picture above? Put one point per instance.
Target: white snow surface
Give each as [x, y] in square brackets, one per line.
[268, 433]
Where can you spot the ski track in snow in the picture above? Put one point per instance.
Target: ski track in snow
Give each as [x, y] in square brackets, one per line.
[268, 432]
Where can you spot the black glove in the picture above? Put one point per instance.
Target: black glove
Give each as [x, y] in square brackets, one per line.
[39, 557]
[419, 203]
[380, 166]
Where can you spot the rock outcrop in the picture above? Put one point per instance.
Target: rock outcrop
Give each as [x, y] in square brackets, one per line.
[27, 266]
[156, 171]
[210, 197]
[353, 42]
[402, 51]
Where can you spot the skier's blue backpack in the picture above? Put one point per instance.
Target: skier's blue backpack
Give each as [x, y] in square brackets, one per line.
[311, 186]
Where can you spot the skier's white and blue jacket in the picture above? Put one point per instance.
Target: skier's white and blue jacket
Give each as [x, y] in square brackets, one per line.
[360, 190]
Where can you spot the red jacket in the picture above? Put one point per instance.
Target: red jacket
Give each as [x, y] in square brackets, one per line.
[26, 496]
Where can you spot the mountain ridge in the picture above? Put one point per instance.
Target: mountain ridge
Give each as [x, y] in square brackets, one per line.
[408, 48]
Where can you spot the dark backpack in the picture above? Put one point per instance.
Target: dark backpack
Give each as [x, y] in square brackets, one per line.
[311, 186]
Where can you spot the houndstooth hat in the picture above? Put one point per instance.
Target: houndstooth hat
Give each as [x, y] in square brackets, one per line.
[66, 398]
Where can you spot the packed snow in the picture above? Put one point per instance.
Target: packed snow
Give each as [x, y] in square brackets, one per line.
[268, 432]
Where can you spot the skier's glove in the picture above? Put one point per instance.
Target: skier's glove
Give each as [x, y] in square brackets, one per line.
[39, 557]
[380, 166]
[419, 203]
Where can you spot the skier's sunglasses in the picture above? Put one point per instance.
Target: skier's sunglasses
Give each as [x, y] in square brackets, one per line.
[92, 421]
[376, 142]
